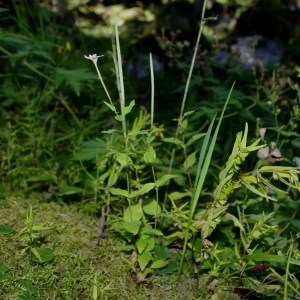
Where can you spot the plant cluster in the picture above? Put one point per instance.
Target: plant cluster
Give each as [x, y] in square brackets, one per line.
[164, 201]
[169, 193]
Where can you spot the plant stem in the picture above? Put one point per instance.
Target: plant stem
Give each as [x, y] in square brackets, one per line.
[187, 85]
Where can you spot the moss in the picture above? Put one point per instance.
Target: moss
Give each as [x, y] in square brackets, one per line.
[70, 275]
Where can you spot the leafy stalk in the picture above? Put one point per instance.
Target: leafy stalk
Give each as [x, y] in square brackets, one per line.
[202, 169]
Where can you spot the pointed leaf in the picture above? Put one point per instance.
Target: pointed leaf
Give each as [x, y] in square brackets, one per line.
[144, 189]
[150, 231]
[173, 141]
[190, 161]
[133, 213]
[119, 192]
[235, 220]
[133, 227]
[150, 156]
[144, 260]
[195, 138]
[42, 255]
[123, 159]
[112, 108]
[158, 264]
[151, 207]
[164, 179]
[127, 109]
[141, 244]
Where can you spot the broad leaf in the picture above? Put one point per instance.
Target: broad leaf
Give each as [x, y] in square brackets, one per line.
[144, 260]
[133, 227]
[133, 213]
[151, 207]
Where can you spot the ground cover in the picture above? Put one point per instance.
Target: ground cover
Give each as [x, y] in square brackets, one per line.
[78, 266]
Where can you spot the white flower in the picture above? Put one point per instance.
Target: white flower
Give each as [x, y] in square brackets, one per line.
[93, 57]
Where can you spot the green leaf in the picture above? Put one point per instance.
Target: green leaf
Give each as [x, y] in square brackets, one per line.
[133, 213]
[150, 156]
[144, 260]
[4, 275]
[183, 126]
[65, 189]
[272, 258]
[235, 220]
[195, 138]
[111, 107]
[144, 189]
[127, 109]
[161, 252]
[73, 78]
[190, 161]
[133, 227]
[3, 269]
[123, 159]
[164, 179]
[179, 195]
[90, 150]
[158, 264]
[5, 229]
[42, 255]
[173, 141]
[151, 207]
[30, 292]
[119, 192]
[141, 244]
[151, 244]
[150, 231]
[188, 113]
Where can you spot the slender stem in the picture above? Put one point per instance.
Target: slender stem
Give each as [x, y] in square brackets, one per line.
[121, 82]
[152, 89]
[103, 84]
[287, 272]
[188, 82]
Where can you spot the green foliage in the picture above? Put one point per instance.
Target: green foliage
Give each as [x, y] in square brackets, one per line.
[40, 125]
[185, 198]
[29, 237]
[127, 172]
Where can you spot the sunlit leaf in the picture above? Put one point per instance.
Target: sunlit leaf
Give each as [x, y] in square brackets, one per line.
[133, 227]
[141, 244]
[133, 213]
[150, 156]
[119, 192]
[158, 264]
[144, 260]
[151, 207]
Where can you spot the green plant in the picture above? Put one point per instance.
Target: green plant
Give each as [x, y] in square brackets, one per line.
[40, 96]
[132, 173]
[30, 236]
[30, 292]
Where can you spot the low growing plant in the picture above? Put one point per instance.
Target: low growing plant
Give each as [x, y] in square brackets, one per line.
[157, 202]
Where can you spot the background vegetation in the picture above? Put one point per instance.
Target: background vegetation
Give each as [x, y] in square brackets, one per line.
[175, 175]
